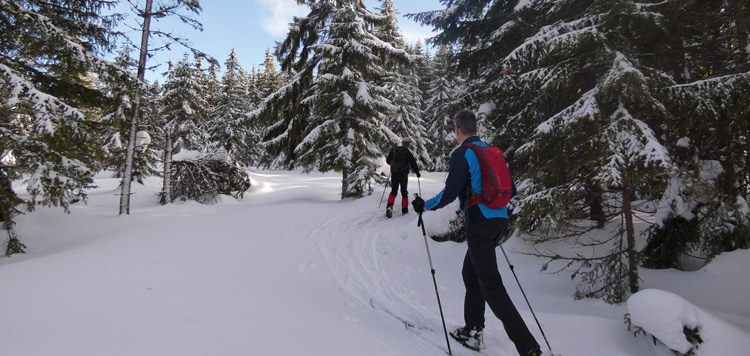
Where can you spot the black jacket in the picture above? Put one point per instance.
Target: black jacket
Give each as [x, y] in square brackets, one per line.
[403, 153]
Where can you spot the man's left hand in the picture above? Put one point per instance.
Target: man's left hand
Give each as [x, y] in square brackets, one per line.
[418, 204]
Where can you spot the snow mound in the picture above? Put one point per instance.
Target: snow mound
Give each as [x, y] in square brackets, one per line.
[684, 327]
[438, 222]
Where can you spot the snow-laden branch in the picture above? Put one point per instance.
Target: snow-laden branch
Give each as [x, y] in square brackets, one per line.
[554, 36]
[45, 106]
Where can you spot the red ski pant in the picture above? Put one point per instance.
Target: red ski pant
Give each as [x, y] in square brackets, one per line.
[399, 180]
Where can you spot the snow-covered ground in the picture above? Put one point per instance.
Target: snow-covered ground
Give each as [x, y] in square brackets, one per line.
[293, 270]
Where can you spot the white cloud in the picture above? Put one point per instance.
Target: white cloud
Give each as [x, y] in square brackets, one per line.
[277, 14]
[413, 32]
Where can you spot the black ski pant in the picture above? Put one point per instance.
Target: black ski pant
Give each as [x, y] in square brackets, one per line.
[399, 180]
[484, 284]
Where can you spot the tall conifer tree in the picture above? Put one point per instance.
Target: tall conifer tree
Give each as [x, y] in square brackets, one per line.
[183, 114]
[228, 126]
[117, 113]
[402, 80]
[334, 122]
[47, 51]
[442, 102]
[577, 116]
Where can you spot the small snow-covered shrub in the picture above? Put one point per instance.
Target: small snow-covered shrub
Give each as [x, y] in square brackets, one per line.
[455, 230]
[679, 327]
[204, 179]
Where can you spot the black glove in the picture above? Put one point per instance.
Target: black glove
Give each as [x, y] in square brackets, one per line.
[418, 175]
[418, 204]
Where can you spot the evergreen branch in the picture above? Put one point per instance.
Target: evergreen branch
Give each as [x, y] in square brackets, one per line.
[722, 80]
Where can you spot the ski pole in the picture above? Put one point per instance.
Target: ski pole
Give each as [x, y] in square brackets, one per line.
[420, 222]
[524, 297]
[384, 189]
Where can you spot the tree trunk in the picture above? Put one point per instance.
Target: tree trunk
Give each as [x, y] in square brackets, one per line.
[291, 158]
[127, 176]
[166, 191]
[596, 205]
[676, 43]
[345, 183]
[630, 232]
[741, 30]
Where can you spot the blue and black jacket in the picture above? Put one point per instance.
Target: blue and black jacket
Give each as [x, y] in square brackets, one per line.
[465, 170]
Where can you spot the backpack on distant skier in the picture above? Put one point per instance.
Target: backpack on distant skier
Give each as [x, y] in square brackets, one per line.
[398, 163]
[497, 188]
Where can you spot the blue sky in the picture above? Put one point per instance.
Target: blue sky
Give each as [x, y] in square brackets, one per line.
[252, 26]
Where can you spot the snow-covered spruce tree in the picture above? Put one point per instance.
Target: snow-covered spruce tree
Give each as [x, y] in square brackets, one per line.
[402, 81]
[282, 115]
[339, 108]
[423, 67]
[346, 104]
[263, 84]
[214, 82]
[209, 167]
[183, 114]
[706, 60]
[48, 51]
[254, 95]
[270, 79]
[441, 103]
[388, 31]
[228, 127]
[577, 106]
[406, 117]
[147, 13]
[117, 114]
[8, 198]
[606, 141]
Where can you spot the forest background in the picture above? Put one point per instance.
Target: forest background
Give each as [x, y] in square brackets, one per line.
[607, 111]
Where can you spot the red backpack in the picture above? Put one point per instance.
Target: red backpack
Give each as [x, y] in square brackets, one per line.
[496, 185]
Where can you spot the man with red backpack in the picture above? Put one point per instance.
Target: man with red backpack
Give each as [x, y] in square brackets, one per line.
[400, 159]
[486, 226]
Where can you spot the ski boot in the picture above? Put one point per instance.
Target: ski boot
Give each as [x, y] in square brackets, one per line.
[534, 352]
[469, 337]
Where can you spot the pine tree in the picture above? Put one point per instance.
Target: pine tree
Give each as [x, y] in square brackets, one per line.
[388, 31]
[199, 139]
[270, 80]
[347, 107]
[47, 52]
[582, 129]
[183, 111]
[172, 8]
[116, 115]
[614, 101]
[402, 81]
[423, 69]
[332, 109]
[406, 117]
[706, 60]
[440, 105]
[212, 87]
[252, 91]
[228, 128]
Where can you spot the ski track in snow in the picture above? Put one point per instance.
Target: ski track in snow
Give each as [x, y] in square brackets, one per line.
[367, 256]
